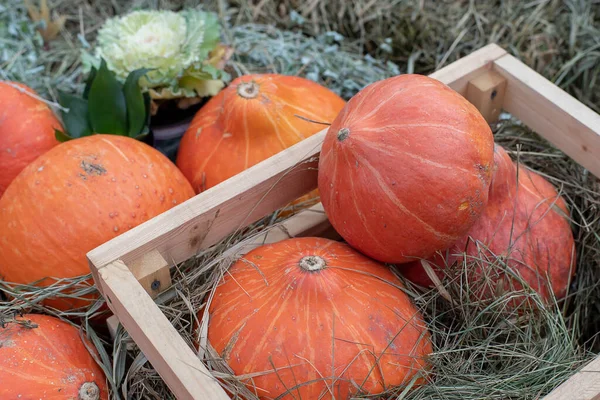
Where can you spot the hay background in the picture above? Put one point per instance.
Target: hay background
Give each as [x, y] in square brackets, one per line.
[481, 352]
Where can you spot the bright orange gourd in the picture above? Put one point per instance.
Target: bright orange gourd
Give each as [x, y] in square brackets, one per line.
[405, 168]
[26, 130]
[526, 223]
[77, 196]
[254, 118]
[49, 362]
[322, 314]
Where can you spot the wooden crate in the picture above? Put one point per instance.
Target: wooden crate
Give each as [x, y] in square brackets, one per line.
[133, 268]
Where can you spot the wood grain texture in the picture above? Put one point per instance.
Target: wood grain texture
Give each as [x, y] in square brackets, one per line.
[551, 112]
[152, 272]
[176, 363]
[584, 385]
[486, 92]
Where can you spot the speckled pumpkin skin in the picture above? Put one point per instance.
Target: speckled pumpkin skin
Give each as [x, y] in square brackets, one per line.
[269, 312]
[50, 362]
[26, 130]
[77, 196]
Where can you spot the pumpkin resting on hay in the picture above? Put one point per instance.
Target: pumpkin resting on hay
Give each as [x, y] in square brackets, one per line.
[405, 168]
[526, 223]
[254, 118]
[324, 316]
[76, 197]
[49, 361]
[26, 130]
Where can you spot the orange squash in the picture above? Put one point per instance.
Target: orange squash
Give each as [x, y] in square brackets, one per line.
[254, 118]
[405, 168]
[26, 130]
[331, 321]
[77, 196]
[526, 223]
[48, 362]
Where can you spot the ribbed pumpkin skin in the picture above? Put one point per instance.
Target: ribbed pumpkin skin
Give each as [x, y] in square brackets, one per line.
[276, 314]
[526, 223]
[411, 172]
[49, 362]
[77, 196]
[26, 131]
[232, 133]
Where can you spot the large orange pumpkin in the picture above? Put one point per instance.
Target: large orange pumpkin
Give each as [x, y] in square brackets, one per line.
[77, 196]
[48, 362]
[331, 321]
[254, 118]
[405, 168]
[26, 130]
[526, 224]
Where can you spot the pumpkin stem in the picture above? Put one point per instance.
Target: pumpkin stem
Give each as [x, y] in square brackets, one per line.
[343, 134]
[89, 391]
[248, 90]
[312, 263]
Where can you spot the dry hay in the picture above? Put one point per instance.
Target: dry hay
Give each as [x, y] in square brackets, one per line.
[481, 351]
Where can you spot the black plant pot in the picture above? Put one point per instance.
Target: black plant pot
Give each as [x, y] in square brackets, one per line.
[166, 138]
[168, 126]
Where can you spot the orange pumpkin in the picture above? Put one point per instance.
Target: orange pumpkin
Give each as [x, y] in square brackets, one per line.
[405, 168]
[327, 318]
[77, 196]
[26, 130]
[254, 118]
[49, 361]
[526, 223]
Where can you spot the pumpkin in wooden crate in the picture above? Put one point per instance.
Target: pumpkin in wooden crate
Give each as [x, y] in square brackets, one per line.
[77, 196]
[254, 118]
[405, 168]
[42, 357]
[524, 227]
[329, 320]
[26, 130]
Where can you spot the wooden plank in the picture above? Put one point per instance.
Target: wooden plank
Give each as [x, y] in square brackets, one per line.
[551, 112]
[160, 342]
[458, 74]
[152, 272]
[486, 92]
[584, 385]
[202, 221]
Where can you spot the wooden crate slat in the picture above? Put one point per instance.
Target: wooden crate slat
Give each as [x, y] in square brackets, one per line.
[584, 385]
[551, 112]
[176, 363]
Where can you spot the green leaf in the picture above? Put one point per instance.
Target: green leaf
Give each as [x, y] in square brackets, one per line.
[106, 104]
[76, 119]
[88, 84]
[136, 106]
[61, 136]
